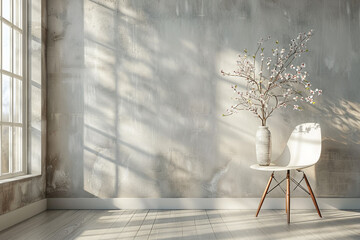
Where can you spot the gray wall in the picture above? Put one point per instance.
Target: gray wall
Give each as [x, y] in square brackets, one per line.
[135, 97]
[16, 194]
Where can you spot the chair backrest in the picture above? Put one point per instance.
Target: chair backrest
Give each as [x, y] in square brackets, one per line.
[303, 147]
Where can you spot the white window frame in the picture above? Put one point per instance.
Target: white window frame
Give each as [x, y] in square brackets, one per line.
[24, 78]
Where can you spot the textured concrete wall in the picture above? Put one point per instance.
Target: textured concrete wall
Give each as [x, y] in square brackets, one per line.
[136, 98]
[17, 194]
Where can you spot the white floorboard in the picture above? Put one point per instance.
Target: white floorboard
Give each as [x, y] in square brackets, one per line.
[186, 224]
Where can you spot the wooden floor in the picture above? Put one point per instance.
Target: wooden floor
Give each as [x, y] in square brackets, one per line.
[186, 224]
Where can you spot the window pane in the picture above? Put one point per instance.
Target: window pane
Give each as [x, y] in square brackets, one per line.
[11, 87]
[6, 9]
[18, 101]
[18, 13]
[6, 98]
[17, 160]
[18, 53]
[6, 47]
[5, 149]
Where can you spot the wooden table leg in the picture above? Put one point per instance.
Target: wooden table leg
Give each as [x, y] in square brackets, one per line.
[288, 195]
[312, 195]
[264, 194]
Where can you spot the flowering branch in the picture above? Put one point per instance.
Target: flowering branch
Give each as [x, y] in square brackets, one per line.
[275, 85]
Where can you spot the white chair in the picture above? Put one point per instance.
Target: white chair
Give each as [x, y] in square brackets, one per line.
[302, 151]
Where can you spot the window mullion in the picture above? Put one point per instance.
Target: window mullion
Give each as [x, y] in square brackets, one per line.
[11, 117]
[25, 84]
[12, 25]
[12, 124]
[11, 74]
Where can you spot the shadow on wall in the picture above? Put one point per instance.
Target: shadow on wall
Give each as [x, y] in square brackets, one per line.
[149, 125]
[151, 110]
[139, 87]
[338, 168]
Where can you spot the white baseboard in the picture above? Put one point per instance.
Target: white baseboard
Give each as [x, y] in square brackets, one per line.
[199, 203]
[21, 214]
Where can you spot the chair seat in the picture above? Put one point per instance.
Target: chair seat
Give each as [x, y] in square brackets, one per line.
[273, 167]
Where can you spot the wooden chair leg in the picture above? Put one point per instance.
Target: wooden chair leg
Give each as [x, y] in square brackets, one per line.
[288, 195]
[312, 195]
[264, 194]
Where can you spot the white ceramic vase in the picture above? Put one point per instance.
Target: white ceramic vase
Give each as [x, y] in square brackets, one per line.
[263, 146]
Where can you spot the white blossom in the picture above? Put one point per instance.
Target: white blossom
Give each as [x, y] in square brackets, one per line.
[272, 87]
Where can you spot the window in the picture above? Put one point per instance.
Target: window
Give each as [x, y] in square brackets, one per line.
[13, 88]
